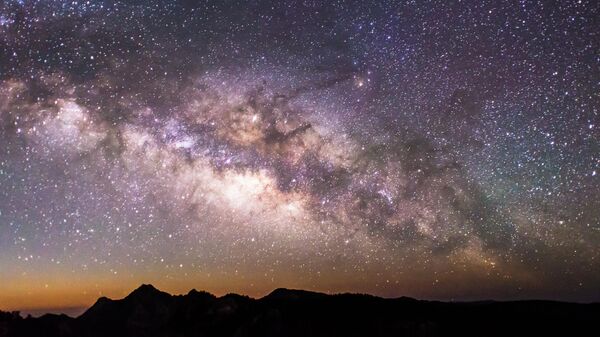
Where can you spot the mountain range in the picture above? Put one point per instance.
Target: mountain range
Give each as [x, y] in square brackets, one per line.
[150, 312]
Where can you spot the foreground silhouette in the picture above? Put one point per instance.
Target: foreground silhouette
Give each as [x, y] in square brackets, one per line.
[150, 312]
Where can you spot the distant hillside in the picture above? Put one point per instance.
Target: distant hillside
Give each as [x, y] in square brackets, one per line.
[151, 312]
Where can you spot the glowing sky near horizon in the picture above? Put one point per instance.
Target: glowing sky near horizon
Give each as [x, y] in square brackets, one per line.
[432, 150]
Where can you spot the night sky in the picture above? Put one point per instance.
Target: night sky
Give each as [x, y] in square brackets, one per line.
[433, 149]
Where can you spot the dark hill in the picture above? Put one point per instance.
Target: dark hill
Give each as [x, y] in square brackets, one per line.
[151, 312]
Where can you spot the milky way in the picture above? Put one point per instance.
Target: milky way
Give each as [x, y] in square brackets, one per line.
[433, 150]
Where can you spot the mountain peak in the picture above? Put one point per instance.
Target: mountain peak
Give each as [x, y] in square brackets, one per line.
[102, 304]
[147, 291]
[292, 294]
[147, 287]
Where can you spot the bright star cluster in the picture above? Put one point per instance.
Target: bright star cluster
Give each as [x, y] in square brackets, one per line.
[436, 150]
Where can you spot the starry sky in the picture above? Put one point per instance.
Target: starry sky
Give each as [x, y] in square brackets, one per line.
[433, 149]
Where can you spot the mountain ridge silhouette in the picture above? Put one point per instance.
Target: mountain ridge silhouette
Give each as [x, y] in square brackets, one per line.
[147, 311]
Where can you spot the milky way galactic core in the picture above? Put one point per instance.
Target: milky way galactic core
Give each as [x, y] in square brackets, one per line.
[436, 150]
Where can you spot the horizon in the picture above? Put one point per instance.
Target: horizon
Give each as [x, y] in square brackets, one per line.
[76, 311]
[434, 151]
[148, 311]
